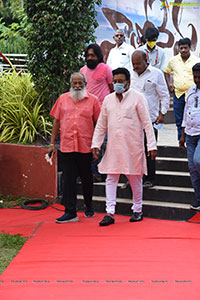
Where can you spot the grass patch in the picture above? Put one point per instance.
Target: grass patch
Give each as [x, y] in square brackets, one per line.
[9, 247]
[11, 201]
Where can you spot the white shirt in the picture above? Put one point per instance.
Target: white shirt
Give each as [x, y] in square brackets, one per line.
[120, 57]
[153, 85]
[191, 117]
[156, 58]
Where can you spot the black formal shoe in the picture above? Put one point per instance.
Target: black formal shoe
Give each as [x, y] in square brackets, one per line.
[107, 220]
[136, 216]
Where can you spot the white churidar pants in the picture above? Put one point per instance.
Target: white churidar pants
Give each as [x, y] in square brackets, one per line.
[111, 190]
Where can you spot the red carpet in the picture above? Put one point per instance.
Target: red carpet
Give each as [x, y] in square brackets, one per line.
[153, 259]
[196, 218]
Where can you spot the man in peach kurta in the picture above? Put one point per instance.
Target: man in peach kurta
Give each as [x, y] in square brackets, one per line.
[123, 116]
[76, 114]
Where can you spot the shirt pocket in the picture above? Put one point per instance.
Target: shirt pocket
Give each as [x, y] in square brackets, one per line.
[149, 86]
[123, 57]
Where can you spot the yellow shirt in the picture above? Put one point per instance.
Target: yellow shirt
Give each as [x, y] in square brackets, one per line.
[182, 73]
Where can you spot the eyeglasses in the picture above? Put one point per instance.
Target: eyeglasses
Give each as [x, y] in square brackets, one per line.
[119, 35]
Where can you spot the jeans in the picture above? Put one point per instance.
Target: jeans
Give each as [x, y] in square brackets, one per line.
[193, 153]
[178, 105]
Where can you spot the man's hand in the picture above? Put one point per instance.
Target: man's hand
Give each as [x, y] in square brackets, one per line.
[182, 141]
[171, 87]
[51, 150]
[95, 152]
[153, 154]
[160, 119]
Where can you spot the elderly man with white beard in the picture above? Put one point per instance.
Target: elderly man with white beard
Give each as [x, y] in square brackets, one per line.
[76, 114]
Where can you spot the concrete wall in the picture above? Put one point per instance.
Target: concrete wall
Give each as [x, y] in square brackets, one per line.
[24, 171]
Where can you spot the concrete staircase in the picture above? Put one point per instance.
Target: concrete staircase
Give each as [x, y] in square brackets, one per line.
[170, 198]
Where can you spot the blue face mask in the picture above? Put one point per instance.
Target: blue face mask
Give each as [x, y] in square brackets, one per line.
[119, 88]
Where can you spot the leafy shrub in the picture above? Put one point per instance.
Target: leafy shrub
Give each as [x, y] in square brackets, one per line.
[22, 118]
[13, 36]
[58, 34]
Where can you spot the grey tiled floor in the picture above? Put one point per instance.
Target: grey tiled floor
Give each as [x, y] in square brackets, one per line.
[168, 136]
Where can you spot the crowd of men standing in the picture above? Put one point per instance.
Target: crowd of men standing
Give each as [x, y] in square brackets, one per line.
[117, 107]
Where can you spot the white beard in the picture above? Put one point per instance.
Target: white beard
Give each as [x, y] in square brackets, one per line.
[78, 95]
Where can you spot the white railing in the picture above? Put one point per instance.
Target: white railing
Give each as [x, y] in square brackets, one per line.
[19, 61]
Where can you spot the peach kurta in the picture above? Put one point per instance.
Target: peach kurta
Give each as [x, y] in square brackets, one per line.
[124, 122]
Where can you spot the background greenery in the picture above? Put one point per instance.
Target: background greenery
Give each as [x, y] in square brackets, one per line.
[55, 34]
[22, 117]
[57, 37]
[13, 27]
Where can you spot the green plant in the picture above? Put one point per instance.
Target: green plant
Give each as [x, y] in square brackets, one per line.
[9, 247]
[11, 39]
[7, 201]
[58, 34]
[22, 117]
[13, 26]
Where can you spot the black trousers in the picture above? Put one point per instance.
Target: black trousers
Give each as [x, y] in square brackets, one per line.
[151, 164]
[76, 164]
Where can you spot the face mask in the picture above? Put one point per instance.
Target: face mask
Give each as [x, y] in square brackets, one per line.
[151, 44]
[91, 64]
[119, 88]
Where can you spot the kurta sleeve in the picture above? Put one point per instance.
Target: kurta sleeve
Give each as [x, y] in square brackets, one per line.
[101, 128]
[144, 116]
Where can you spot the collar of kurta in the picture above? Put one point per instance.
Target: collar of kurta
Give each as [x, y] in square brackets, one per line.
[124, 94]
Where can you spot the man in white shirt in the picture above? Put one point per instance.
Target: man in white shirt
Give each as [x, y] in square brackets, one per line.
[151, 82]
[155, 54]
[120, 55]
[191, 133]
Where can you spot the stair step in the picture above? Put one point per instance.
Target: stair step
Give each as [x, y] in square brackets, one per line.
[172, 173]
[158, 192]
[152, 209]
[155, 187]
[177, 159]
[171, 151]
[172, 188]
[173, 178]
[145, 202]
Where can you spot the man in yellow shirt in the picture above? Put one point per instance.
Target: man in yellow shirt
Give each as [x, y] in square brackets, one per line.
[181, 66]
